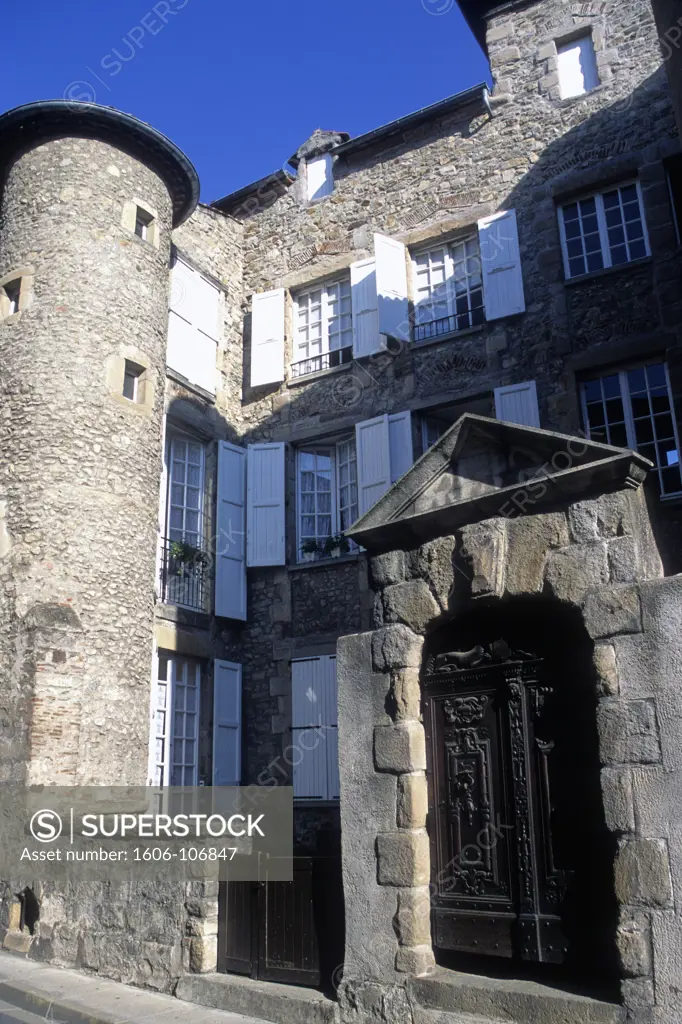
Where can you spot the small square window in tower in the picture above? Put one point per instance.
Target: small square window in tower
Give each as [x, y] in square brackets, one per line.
[133, 379]
[144, 224]
[12, 294]
[577, 67]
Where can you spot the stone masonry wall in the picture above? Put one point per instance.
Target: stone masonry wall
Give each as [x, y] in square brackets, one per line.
[597, 556]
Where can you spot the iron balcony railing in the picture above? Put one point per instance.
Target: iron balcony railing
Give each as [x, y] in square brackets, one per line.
[448, 324]
[322, 362]
[185, 575]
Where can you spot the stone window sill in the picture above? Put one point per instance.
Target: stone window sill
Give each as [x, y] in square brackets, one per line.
[570, 101]
[325, 563]
[606, 271]
[182, 616]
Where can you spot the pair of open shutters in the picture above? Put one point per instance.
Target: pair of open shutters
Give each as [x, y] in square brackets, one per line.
[251, 500]
[379, 297]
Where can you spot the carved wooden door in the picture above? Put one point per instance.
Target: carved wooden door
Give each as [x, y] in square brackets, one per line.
[496, 886]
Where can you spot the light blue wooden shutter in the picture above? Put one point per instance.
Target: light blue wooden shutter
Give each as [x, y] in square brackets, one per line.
[400, 444]
[518, 403]
[391, 284]
[230, 545]
[267, 338]
[363, 280]
[227, 723]
[315, 728]
[265, 522]
[373, 461]
[501, 265]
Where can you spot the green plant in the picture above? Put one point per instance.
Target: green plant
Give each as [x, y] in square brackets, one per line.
[311, 547]
[185, 557]
[337, 542]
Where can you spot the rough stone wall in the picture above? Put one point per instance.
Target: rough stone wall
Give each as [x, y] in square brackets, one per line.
[79, 490]
[597, 556]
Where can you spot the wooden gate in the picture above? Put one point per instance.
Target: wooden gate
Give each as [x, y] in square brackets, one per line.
[499, 887]
[285, 931]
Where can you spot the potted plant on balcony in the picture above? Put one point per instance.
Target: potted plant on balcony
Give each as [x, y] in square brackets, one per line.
[336, 546]
[310, 550]
[186, 560]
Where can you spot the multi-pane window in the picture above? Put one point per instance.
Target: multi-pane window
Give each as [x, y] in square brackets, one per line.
[173, 759]
[185, 499]
[431, 429]
[633, 409]
[184, 564]
[603, 230]
[324, 327]
[448, 289]
[327, 495]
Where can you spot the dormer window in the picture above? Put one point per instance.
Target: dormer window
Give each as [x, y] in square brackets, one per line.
[320, 176]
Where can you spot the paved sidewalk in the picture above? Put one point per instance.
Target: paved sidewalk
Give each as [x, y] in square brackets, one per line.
[32, 993]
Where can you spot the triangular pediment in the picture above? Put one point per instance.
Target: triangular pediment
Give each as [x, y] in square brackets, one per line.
[483, 468]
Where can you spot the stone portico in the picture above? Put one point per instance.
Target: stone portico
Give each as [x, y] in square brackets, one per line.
[496, 514]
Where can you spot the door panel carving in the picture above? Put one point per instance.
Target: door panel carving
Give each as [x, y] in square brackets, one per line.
[497, 887]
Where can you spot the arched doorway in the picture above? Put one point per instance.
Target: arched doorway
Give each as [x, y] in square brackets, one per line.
[521, 857]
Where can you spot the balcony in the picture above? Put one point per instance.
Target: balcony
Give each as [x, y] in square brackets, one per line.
[325, 361]
[448, 325]
[185, 575]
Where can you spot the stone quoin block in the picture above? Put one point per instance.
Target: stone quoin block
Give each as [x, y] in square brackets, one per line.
[413, 801]
[411, 603]
[396, 646]
[412, 922]
[604, 661]
[628, 732]
[572, 571]
[617, 797]
[387, 569]
[529, 540]
[642, 873]
[611, 611]
[400, 748]
[403, 859]
[416, 960]
[633, 940]
[405, 693]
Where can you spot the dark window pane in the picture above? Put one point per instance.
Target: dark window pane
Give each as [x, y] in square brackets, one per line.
[594, 261]
[613, 217]
[595, 414]
[576, 267]
[619, 255]
[588, 205]
[590, 225]
[592, 390]
[614, 411]
[636, 380]
[570, 212]
[655, 375]
[640, 407]
[572, 228]
[631, 211]
[629, 194]
[648, 451]
[616, 236]
[671, 480]
[574, 247]
[599, 434]
[478, 316]
[644, 431]
[638, 250]
[611, 386]
[635, 231]
[659, 400]
[619, 435]
[610, 200]
[664, 427]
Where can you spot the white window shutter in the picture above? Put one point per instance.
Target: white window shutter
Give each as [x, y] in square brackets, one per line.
[518, 403]
[208, 307]
[314, 721]
[391, 271]
[230, 545]
[400, 444]
[577, 67]
[193, 326]
[501, 265]
[320, 176]
[180, 351]
[373, 461]
[182, 290]
[227, 723]
[363, 280]
[265, 505]
[267, 337]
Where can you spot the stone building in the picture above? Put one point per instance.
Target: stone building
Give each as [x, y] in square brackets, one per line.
[417, 391]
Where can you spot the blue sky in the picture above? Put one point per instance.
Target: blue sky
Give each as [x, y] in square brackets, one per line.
[239, 86]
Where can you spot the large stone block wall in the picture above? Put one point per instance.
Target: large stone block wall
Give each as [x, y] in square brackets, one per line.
[596, 556]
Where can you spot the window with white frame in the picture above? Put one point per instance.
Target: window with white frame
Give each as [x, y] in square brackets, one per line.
[632, 408]
[577, 66]
[174, 739]
[184, 563]
[323, 327]
[432, 430]
[327, 498]
[448, 288]
[315, 728]
[603, 230]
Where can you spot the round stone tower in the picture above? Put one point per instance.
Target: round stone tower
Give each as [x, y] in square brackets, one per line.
[89, 199]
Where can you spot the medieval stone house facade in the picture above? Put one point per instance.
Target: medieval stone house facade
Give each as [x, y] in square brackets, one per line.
[181, 460]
